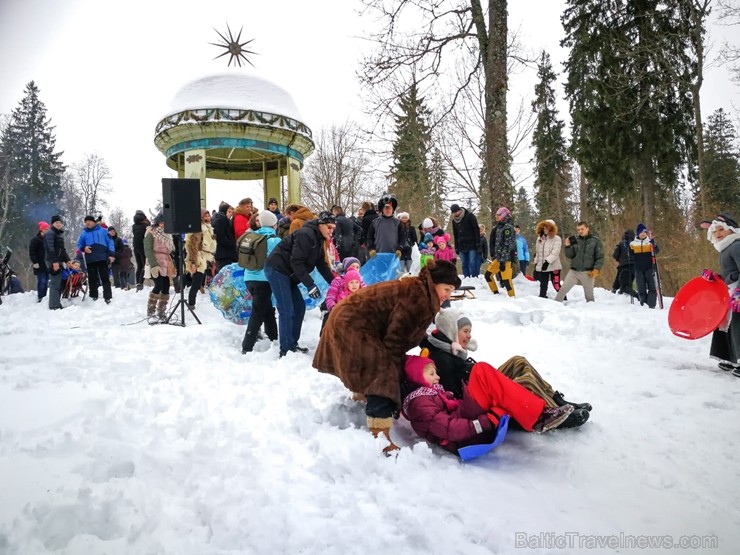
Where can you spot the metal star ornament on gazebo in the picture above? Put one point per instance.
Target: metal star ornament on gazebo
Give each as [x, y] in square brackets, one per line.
[233, 47]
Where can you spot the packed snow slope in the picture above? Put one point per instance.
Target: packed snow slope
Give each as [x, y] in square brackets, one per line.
[118, 437]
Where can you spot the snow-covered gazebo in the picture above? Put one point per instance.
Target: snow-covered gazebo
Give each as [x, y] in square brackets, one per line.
[235, 126]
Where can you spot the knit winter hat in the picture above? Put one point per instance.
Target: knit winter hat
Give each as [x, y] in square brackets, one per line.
[503, 212]
[640, 229]
[203, 212]
[89, 218]
[352, 275]
[347, 262]
[267, 219]
[445, 272]
[427, 223]
[56, 218]
[272, 200]
[446, 322]
[43, 226]
[402, 215]
[428, 237]
[415, 369]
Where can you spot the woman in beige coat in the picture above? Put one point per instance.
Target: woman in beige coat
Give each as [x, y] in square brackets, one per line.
[547, 264]
[199, 251]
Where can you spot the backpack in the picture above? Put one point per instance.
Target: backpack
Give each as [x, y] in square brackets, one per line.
[252, 249]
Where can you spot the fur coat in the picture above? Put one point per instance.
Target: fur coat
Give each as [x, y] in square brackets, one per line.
[199, 248]
[367, 335]
[547, 247]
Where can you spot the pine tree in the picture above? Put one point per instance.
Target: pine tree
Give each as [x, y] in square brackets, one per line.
[552, 166]
[32, 168]
[721, 163]
[437, 187]
[629, 75]
[523, 214]
[410, 169]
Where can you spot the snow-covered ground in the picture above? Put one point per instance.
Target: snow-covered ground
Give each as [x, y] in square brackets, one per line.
[119, 437]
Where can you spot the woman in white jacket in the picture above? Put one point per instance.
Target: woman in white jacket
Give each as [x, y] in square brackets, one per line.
[547, 264]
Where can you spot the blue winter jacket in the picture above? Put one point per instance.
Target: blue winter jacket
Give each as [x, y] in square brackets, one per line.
[272, 242]
[522, 249]
[99, 241]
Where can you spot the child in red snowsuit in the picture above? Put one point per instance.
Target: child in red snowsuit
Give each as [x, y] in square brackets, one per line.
[438, 417]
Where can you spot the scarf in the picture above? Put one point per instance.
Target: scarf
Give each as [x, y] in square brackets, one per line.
[450, 402]
[441, 342]
[722, 244]
[162, 238]
[458, 220]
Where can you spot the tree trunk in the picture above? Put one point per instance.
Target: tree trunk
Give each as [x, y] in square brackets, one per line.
[698, 13]
[646, 182]
[498, 175]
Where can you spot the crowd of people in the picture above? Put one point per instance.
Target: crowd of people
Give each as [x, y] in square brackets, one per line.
[449, 398]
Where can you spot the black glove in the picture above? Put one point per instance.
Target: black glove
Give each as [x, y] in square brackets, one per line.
[314, 292]
[545, 264]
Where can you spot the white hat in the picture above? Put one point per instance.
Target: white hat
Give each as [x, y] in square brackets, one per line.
[427, 223]
[267, 219]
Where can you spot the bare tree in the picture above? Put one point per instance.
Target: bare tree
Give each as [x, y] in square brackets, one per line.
[729, 15]
[73, 207]
[121, 222]
[425, 38]
[92, 176]
[338, 172]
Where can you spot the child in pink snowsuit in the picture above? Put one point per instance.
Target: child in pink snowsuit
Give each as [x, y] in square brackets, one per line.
[342, 287]
[444, 252]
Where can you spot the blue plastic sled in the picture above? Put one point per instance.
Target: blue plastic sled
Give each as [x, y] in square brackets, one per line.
[384, 266]
[474, 451]
[320, 282]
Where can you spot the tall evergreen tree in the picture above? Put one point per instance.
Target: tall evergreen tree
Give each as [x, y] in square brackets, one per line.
[410, 179]
[437, 188]
[629, 76]
[721, 163]
[552, 167]
[32, 168]
[523, 214]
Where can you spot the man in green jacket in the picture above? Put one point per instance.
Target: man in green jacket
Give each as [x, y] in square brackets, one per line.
[586, 255]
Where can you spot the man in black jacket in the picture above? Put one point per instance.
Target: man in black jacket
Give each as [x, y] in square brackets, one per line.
[467, 238]
[225, 239]
[56, 258]
[290, 263]
[37, 254]
[625, 265]
[346, 234]
[138, 230]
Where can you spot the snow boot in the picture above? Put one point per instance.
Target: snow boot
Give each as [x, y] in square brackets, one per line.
[577, 418]
[728, 366]
[560, 401]
[736, 372]
[151, 304]
[162, 306]
[552, 418]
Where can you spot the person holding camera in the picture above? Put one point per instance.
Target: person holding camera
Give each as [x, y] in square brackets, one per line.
[290, 263]
[586, 253]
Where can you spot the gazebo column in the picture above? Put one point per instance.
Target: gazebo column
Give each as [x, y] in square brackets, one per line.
[294, 180]
[195, 168]
[272, 185]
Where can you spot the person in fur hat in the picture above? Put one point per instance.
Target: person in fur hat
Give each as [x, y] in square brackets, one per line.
[158, 247]
[547, 264]
[200, 249]
[724, 234]
[449, 346]
[368, 334]
[437, 416]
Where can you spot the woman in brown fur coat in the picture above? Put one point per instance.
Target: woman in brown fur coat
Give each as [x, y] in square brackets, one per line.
[367, 335]
[199, 250]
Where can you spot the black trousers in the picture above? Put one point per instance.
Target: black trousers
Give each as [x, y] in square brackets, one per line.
[262, 313]
[140, 263]
[97, 274]
[626, 275]
[196, 282]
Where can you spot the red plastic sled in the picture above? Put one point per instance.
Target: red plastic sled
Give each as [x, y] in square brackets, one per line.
[698, 308]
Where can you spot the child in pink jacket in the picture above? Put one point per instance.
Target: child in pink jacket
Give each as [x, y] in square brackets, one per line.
[444, 251]
[342, 287]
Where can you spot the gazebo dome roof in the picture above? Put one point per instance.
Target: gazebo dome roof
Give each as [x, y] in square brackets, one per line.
[234, 90]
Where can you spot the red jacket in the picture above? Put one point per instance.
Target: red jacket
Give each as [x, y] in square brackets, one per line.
[431, 419]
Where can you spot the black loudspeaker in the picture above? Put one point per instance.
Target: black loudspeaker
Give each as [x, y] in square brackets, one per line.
[181, 205]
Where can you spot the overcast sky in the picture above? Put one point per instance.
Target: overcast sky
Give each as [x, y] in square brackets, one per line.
[108, 70]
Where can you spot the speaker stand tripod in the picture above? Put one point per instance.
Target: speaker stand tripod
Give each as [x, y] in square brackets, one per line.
[181, 304]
